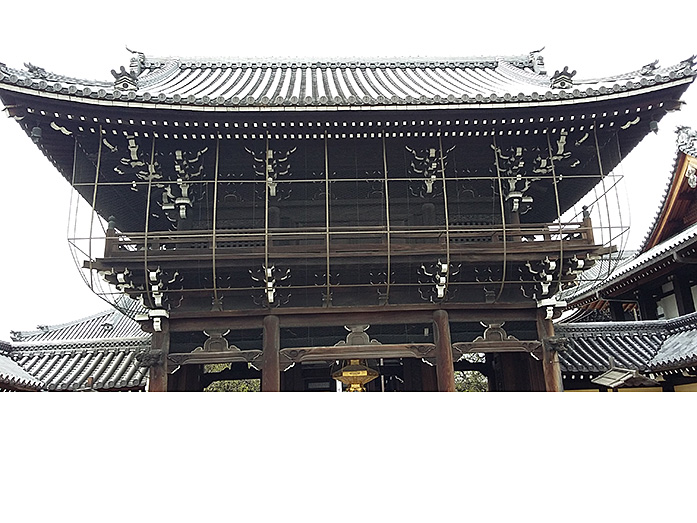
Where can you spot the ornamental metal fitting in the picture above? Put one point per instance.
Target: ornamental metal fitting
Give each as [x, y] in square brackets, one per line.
[556, 343]
[149, 358]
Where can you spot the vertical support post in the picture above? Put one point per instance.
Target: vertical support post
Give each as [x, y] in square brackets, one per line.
[647, 305]
[683, 294]
[550, 358]
[158, 371]
[587, 226]
[271, 367]
[617, 310]
[444, 352]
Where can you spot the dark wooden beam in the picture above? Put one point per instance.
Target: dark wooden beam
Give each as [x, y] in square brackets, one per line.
[683, 294]
[158, 371]
[550, 358]
[271, 370]
[182, 321]
[345, 352]
[444, 352]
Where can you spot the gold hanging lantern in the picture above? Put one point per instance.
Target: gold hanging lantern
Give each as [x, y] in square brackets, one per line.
[355, 375]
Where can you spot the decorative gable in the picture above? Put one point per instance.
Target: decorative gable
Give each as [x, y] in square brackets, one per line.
[125, 80]
[563, 79]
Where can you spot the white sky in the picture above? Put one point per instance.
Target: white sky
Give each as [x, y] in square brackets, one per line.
[39, 282]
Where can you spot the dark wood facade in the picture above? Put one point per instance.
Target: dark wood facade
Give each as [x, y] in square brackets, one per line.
[259, 231]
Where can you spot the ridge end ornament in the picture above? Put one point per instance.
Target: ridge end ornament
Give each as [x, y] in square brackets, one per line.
[562, 79]
[691, 175]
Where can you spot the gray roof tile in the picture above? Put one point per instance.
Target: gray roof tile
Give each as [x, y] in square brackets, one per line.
[12, 375]
[648, 346]
[309, 83]
[68, 366]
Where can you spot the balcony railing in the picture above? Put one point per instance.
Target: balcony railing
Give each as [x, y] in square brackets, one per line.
[346, 240]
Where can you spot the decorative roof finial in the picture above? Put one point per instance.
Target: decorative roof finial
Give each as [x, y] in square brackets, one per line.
[38, 72]
[128, 81]
[649, 68]
[538, 62]
[687, 140]
[563, 79]
[137, 62]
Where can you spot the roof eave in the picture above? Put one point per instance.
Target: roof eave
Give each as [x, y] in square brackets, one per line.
[549, 98]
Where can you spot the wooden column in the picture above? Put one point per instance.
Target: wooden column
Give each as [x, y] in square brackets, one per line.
[616, 310]
[683, 294]
[444, 352]
[158, 371]
[647, 306]
[271, 367]
[550, 358]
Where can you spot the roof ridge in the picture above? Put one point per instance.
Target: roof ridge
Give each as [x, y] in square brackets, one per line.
[648, 71]
[345, 58]
[638, 261]
[686, 141]
[611, 327]
[509, 79]
[75, 344]
[17, 336]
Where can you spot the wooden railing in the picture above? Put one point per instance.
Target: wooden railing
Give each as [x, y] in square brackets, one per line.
[342, 239]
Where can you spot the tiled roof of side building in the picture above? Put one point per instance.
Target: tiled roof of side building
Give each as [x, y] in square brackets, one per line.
[592, 287]
[113, 323]
[687, 145]
[647, 346]
[631, 344]
[14, 377]
[72, 365]
[317, 83]
[99, 352]
[680, 347]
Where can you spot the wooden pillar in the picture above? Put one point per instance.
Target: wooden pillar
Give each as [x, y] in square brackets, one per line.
[428, 377]
[683, 294]
[647, 306]
[444, 352]
[158, 371]
[292, 379]
[271, 367]
[616, 310]
[550, 358]
[186, 379]
[587, 226]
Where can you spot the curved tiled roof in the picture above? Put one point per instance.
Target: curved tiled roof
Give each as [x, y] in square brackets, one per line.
[687, 145]
[107, 324]
[101, 364]
[650, 346]
[13, 377]
[631, 344]
[660, 253]
[103, 347]
[331, 83]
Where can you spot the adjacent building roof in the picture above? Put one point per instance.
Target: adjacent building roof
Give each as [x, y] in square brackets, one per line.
[677, 207]
[682, 245]
[71, 365]
[99, 352]
[114, 323]
[671, 238]
[13, 376]
[253, 84]
[649, 346]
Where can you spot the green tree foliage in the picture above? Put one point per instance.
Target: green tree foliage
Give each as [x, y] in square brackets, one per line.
[229, 385]
[470, 381]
